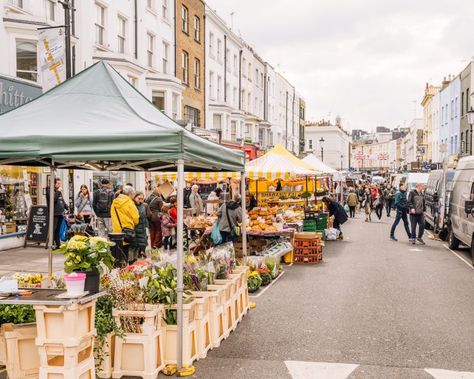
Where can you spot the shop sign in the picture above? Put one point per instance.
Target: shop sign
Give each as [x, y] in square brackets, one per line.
[52, 57]
[14, 93]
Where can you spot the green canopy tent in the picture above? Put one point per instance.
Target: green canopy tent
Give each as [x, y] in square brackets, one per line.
[97, 120]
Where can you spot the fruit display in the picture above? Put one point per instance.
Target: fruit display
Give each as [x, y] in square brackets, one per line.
[201, 222]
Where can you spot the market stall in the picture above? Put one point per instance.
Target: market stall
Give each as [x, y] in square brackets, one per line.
[98, 121]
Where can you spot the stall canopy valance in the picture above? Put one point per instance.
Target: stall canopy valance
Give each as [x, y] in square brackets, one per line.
[98, 120]
[279, 163]
[198, 176]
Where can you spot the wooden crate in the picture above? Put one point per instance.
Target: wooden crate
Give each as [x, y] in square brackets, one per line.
[85, 370]
[216, 314]
[203, 323]
[66, 356]
[106, 368]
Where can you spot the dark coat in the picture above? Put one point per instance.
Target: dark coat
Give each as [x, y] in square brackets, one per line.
[141, 238]
[337, 210]
[59, 204]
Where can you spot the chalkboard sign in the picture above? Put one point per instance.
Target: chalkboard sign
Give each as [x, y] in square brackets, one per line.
[38, 225]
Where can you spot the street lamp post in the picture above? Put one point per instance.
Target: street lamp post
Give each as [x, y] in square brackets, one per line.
[321, 143]
[470, 120]
[342, 157]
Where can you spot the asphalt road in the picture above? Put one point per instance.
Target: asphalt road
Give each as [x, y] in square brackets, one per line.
[374, 309]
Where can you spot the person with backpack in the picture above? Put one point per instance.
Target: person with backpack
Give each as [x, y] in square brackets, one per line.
[401, 205]
[229, 216]
[155, 202]
[101, 205]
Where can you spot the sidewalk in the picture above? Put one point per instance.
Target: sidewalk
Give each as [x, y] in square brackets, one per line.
[30, 259]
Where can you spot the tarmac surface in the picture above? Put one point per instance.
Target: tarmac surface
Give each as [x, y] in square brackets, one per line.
[373, 309]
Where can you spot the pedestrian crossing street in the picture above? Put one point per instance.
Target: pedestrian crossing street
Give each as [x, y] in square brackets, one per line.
[326, 370]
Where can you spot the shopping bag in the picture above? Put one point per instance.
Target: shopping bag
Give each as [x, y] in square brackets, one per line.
[216, 234]
[63, 230]
[346, 207]
[332, 234]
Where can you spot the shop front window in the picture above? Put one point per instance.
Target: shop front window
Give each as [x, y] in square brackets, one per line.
[26, 60]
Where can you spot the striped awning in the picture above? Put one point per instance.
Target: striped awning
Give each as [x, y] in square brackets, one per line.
[197, 176]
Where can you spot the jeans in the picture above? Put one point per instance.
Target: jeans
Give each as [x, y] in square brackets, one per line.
[388, 206]
[352, 211]
[56, 228]
[401, 215]
[104, 226]
[167, 242]
[379, 211]
[417, 219]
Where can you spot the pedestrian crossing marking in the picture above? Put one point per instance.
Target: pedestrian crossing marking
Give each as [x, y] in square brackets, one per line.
[447, 374]
[319, 370]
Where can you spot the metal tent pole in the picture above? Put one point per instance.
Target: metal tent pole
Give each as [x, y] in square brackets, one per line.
[243, 179]
[307, 193]
[180, 252]
[51, 221]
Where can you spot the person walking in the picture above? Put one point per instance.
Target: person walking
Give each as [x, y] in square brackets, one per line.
[352, 202]
[417, 207]
[83, 206]
[124, 215]
[337, 210]
[138, 246]
[379, 204]
[388, 195]
[196, 201]
[155, 202]
[168, 227]
[101, 204]
[229, 216]
[60, 206]
[401, 205]
[368, 203]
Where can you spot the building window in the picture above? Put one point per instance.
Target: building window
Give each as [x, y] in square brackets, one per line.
[16, 3]
[256, 76]
[310, 145]
[219, 50]
[174, 106]
[227, 60]
[51, 9]
[249, 73]
[166, 49]
[467, 103]
[26, 60]
[211, 45]
[184, 19]
[164, 9]
[452, 109]
[150, 49]
[100, 25]
[185, 67]
[219, 90]
[150, 4]
[211, 85]
[456, 108]
[244, 65]
[234, 97]
[197, 29]
[236, 69]
[197, 73]
[233, 131]
[462, 105]
[192, 115]
[217, 122]
[122, 34]
[158, 100]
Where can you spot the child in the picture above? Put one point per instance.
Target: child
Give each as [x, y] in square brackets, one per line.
[167, 227]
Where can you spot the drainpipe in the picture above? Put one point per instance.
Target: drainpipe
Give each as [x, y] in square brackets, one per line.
[225, 68]
[136, 28]
[175, 43]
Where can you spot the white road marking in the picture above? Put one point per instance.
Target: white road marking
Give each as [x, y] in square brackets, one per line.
[415, 249]
[446, 374]
[459, 256]
[319, 370]
[267, 287]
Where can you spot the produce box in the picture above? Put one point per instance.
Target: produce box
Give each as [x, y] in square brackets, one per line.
[10, 227]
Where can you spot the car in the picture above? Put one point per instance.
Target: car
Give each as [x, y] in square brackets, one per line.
[437, 195]
[461, 206]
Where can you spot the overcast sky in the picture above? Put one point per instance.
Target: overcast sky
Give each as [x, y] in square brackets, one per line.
[366, 60]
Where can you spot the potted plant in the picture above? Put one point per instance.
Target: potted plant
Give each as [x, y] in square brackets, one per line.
[87, 255]
[254, 281]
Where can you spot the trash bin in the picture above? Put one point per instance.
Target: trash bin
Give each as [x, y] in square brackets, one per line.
[118, 251]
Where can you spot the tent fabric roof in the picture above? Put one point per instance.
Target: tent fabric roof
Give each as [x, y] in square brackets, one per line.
[315, 162]
[278, 163]
[99, 118]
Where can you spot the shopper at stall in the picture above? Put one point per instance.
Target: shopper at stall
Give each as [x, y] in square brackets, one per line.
[60, 207]
[388, 195]
[401, 205]
[196, 202]
[101, 204]
[125, 216]
[173, 209]
[83, 211]
[168, 227]
[187, 193]
[155, 202]
[417, 207]
[368, 204]
[138, 247]
[352, 202]
[213, 206]
[229, 217]
[337, 210]
[379, 203]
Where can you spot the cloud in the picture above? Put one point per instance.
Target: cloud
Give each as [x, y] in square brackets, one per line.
[367, 60]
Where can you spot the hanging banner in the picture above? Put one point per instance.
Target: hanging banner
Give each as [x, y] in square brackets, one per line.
[52, 57]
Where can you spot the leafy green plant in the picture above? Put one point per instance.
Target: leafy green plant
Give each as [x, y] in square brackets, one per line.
[17, 314]
[266, 277]
[104, 324]
[254, 281]
[86, 254]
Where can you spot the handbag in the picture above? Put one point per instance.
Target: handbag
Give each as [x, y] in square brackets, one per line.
[129, 234]
[346, 207]
[216, 234]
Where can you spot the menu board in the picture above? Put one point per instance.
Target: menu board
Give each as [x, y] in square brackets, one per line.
[38, 225]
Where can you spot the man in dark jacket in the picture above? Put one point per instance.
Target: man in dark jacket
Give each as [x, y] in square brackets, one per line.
[155, 202]
[101, 204]
[230, 215]
[60, 206]
[337, 210]
[401, 205]
[416, 204]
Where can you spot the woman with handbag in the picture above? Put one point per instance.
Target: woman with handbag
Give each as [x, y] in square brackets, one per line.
[83, 206]
[230, 215]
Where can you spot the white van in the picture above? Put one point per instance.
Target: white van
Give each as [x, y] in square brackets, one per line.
[411, 178]
[461, 212]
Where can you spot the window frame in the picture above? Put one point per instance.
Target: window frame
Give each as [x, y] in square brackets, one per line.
[197, 29]
[164, 9]
[150, 49]
[185, 67]
[197, 74]
[122, 34]
[51, 9]
[100, 27]
[165, 58]
[185, 19]
[33, 73]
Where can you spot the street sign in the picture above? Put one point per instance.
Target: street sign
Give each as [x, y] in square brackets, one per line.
[421, 150]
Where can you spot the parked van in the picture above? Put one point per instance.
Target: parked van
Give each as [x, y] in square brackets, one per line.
[411, 178]
[461, 212]
[437, 196]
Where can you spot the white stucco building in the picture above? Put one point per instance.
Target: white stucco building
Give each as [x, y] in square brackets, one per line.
[336, 148]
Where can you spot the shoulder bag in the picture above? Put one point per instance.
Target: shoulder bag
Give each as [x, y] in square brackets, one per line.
[129, 234]
[234, 229]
